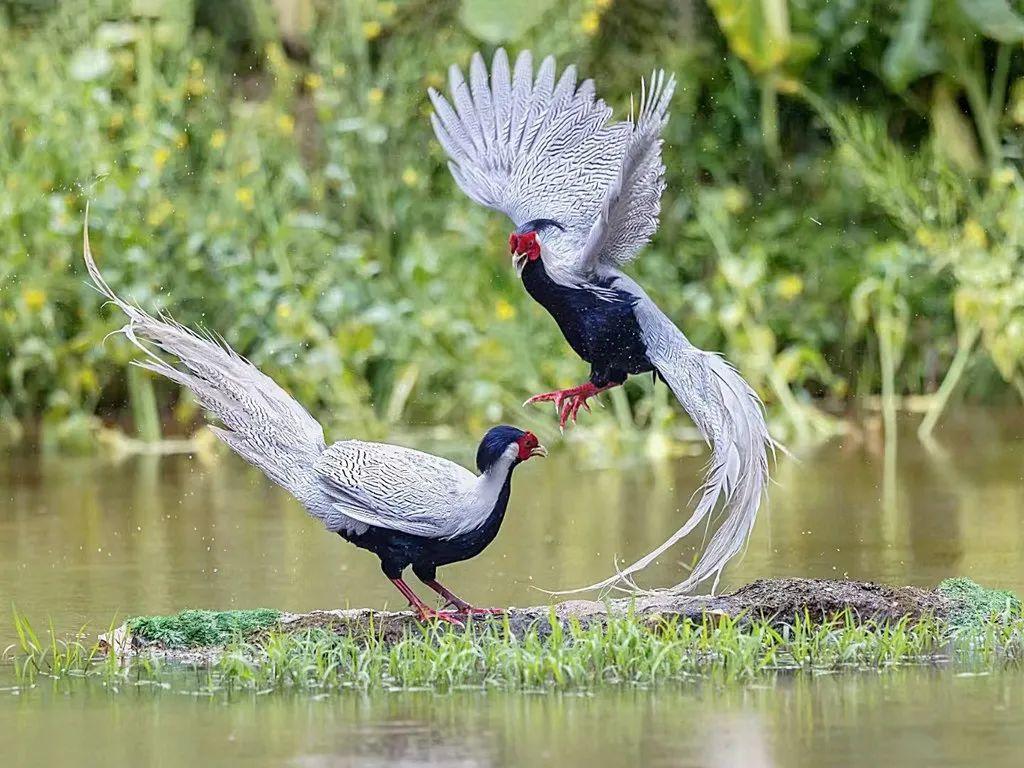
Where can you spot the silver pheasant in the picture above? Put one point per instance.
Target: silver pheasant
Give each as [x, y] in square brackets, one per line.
[406, 506]
[584, 194]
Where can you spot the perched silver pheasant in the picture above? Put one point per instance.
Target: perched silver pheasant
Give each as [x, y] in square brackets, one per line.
[406, 506]
[584, 194]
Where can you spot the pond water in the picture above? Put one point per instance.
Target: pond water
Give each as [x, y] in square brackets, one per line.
[83, 540]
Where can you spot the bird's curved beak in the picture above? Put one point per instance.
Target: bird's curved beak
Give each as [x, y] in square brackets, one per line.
[519, 262]
[539, 450]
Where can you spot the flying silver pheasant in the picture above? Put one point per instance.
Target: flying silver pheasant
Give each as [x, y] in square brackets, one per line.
[584, 194]
[405, 506]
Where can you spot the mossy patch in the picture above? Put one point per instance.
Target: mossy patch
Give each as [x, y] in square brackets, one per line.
[975, 604]
[193, 628]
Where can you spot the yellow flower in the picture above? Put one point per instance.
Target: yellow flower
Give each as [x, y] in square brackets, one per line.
[410, 177]
[159, 213]
[372, 30]
[87, 380]
[34, 298]
[789, 287]
[974, 234]
[339, 71]
[1003, 177]
[375, 96]
[218, 139]
[503, 310]
[285, 124]
[314, 81]
[195, 86]
[590, 22]
[734, 199]
[284, 311]
[160, 157]
[245, 196]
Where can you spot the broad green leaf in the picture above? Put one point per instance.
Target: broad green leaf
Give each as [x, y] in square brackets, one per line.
[757, 31]
[995, 19]
[954, 136]
[499, 21]
[909, 55]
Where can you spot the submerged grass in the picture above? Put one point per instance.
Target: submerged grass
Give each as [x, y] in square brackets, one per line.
[623, 650]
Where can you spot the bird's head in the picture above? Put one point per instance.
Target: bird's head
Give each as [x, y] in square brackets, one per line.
[509, 444]
[526, 241]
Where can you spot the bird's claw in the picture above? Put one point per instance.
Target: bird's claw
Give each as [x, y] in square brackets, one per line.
[425, 613]
[567, 402]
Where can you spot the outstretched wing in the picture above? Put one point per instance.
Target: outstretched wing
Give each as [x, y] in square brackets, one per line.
[393, 487]
[528, 146]
[629, 213]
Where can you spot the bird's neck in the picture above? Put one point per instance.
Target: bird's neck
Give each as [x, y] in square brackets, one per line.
[484, 494]
[544, 289]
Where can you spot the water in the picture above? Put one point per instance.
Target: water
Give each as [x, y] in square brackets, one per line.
[84, 539]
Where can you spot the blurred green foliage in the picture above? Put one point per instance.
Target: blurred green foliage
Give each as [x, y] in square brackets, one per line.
[841, 218]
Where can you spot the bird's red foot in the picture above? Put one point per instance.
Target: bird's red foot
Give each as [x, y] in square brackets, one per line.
[568, 401]
[426, 613]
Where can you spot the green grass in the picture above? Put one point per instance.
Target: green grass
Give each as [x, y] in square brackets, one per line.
[978, 604]
[625, 650]
[197, 628]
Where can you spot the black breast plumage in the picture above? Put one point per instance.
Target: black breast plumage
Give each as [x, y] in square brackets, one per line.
[599, 325]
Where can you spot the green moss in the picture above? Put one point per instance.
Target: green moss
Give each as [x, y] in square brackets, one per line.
[977, 604]
[192, 628]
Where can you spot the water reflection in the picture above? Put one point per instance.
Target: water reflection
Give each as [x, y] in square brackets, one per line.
[81, 539]
[913, 716]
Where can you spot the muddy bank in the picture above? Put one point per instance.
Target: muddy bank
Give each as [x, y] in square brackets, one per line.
[196, 635]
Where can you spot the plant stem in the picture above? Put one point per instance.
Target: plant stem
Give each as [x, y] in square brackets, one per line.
[770, 117]
[143, 402]
[982, 117]
[949, 382]
[997, 97]
[887, 361]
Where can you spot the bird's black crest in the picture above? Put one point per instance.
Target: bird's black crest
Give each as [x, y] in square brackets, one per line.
[539, 225]
[494, 444]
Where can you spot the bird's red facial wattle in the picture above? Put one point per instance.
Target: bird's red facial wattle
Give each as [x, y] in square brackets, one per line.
[529, 447]
[525, 244]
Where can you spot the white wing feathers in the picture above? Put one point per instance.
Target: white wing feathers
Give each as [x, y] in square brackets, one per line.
[399, 488]
[529, 147]
[534, 148]
[629, 215]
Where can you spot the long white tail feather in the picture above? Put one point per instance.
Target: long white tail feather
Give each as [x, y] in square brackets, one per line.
[730, 416]
[261, 422]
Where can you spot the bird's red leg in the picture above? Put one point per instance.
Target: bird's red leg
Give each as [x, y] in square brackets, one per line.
[423, 611]
[569, 401]
[460, 605]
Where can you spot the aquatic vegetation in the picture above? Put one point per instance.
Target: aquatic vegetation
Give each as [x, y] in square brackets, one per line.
[548, 655]
[195, 627]
[978, 605]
